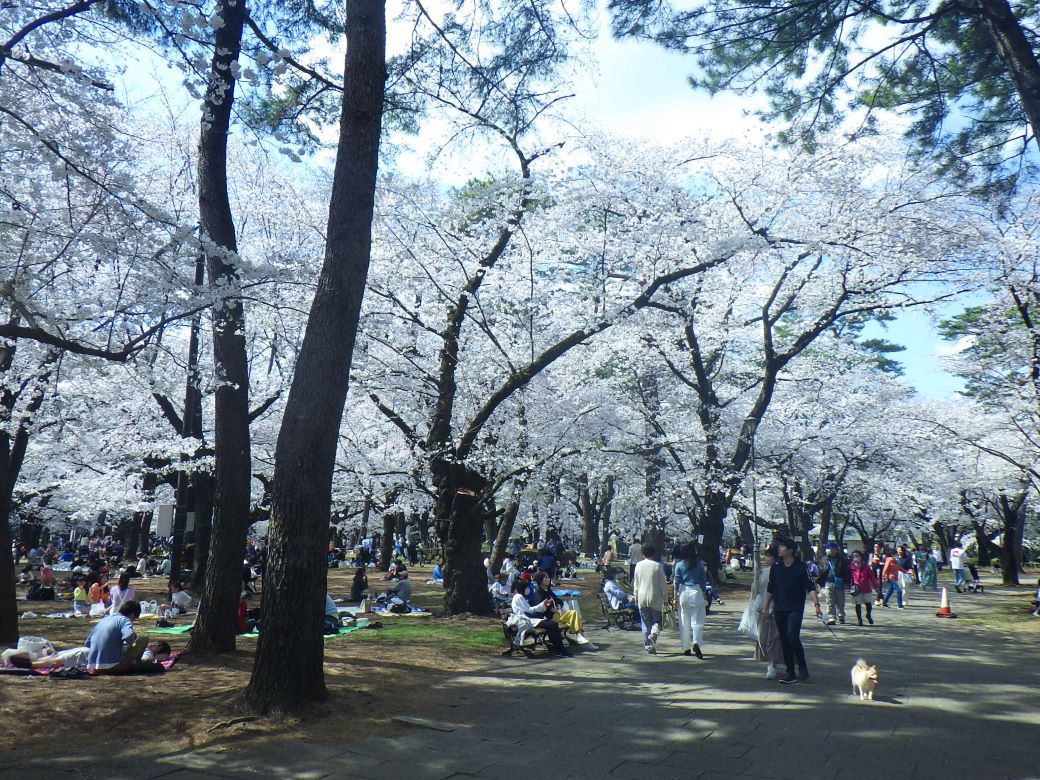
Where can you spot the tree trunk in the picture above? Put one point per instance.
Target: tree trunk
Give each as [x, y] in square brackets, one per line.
[505, 530]
[460, 528]
[288, 672]
[1016, 52]
[8, 590]
[826, 515]
[386, 546]
[203, 528]
[215, 627]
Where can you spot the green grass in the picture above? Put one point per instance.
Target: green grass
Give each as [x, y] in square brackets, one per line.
[445, 637]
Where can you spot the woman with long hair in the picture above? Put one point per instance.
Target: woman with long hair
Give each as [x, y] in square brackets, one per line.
[121, 593]
[691, 599]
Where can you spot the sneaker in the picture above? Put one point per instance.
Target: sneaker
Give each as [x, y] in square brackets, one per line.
[803, 675]
[655, 631]
[581, 639]
[831, 622]
[870, 620]
[687, 652]
[788, 679]
[651, 650]
[841, 620]
[697, 652]
[861, 622]
[900, 607]
[772, 672]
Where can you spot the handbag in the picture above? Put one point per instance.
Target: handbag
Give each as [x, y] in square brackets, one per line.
[854, 590]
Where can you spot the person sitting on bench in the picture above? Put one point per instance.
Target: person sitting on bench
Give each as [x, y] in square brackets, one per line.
[525, 617]
[567, 619]
[616, 597]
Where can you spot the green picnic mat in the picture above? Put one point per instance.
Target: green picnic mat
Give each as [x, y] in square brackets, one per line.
[173, 630]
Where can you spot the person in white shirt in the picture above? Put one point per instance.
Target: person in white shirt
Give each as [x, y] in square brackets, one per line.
[179, 599]
[525, 617]
[957, 564]
[650, 586]
[500, 590]
[617, 598]
[635, 555]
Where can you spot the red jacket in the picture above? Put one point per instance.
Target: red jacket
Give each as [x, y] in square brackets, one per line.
[863, 578]
[890, 571]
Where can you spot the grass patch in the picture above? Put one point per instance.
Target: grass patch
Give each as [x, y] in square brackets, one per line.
[424, 632]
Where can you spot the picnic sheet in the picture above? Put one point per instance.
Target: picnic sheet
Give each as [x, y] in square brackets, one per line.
[567, 594]
[172, 629]
[169, 662]
[347, 630]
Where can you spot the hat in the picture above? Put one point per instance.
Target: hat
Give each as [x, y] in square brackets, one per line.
[831, 546]
[526, 576]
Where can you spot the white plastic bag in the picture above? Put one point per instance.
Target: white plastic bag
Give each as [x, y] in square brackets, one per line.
[98, 610]
[36, 646]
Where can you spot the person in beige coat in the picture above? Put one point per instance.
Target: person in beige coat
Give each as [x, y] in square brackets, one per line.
[650, 586]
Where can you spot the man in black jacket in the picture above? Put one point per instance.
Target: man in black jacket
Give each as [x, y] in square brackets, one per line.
[834, 576]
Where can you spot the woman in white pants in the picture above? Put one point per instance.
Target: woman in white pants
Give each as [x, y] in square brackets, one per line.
[691, 599]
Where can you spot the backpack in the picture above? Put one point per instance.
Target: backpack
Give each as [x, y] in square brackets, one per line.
[400, 609]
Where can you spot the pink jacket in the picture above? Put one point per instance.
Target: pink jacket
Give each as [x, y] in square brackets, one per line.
[863, 577]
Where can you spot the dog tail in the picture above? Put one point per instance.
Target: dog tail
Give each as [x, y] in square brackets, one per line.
[862, 664]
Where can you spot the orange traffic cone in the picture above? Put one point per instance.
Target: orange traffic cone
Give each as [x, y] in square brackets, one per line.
[944, 607]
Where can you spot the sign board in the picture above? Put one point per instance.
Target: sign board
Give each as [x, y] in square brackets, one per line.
[164, 520]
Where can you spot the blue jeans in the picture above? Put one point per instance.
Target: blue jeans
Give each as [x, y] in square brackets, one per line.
[648, 616]
[958, 578]
[894, 587]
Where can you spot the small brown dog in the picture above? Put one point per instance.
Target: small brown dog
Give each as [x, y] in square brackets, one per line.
[864, 679]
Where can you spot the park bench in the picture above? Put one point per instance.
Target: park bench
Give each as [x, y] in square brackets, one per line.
[621, 618]
[533, 638]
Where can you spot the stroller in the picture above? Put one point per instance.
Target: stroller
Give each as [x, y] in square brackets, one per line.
[974, 585]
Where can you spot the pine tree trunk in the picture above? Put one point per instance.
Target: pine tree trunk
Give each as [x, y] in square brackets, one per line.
[203, 528]
[288, 672]
[215, 627]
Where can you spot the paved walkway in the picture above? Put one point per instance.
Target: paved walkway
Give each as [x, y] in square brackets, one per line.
[954, 702]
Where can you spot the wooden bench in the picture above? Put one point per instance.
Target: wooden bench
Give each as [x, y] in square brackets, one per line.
[533, 638]
[621, 618]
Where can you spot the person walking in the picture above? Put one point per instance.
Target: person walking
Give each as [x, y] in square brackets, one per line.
[635, 555]
[691, 598]
[957, 564]
[789, 581]
[767, 641]
[863, 585]
[906, 575]
[891, 573]
[834, 577]
[650, 585]
[929, 576]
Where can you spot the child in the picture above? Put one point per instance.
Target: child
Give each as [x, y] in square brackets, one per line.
[156, 651]
[98, 593]
[1036, 600]
[80, 597]
[179, 600]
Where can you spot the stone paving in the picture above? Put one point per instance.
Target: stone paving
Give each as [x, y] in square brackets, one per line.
[954, 702]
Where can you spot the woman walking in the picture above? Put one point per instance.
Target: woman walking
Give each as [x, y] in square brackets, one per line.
[863, 584]
[767, 643]
[691, 599]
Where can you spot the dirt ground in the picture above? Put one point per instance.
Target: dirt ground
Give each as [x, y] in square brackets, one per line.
[371, 675]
